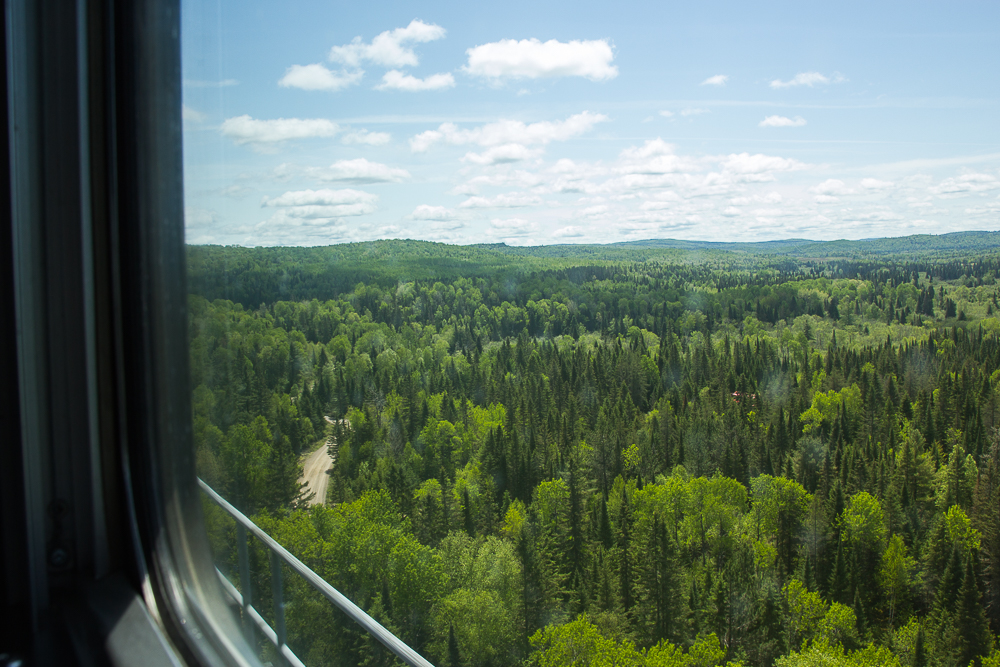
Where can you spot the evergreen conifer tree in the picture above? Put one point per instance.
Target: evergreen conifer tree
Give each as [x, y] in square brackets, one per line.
[970, 618]
[919, 649]
[454, 659]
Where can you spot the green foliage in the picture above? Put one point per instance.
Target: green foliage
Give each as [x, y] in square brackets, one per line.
[896, 577]
[960, 532]
[826, 407]
[772, 454]
[579, 643]
[863, 523]
[490, 639]
[822, 654]
[806, 610]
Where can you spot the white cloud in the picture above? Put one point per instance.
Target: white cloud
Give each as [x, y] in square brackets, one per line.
[804, 79]
[200, 239]
[769, 198]
[388, 48]
[832, 187]
[654, 157]
[964, 185]
[875, 184]
[511, 227]
[319, 212]
[367, 138]
[570, 232]
[565, 166]
[286, 171]
[392, 232]
[503, 153]
[358, 171]
[435, 213]
[533, 59]
[284, 229]
[744, 163]
[667, 114]
[569, 177]
[873, 214]
[318, 77]
[591, 211]
[668, 196]
[396, 80]
[990, 208]
[517, 178]
[464, 190]
[508, 132]
[447, 225]
[323, 205]
[621, 186]
[782, 121]
[649, 189]
[246, 130]
[320, 198]
[694, 112]
[198, 218]
[652, 148]
[191, 115]
[509, 200]
[654, 167]
[717, 80]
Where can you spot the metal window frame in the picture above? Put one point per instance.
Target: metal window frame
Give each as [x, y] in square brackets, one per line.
[105, 557]
[105, 554]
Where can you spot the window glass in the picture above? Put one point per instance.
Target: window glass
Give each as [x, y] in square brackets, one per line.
[659, 331]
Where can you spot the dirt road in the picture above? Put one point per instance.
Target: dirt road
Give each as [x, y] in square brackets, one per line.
[315, 465]
[314, 473]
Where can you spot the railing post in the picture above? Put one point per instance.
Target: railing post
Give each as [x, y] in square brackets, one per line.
[277, 593]
[244, 562]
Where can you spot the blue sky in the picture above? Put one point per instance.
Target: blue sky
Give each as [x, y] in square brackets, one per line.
[313, 123]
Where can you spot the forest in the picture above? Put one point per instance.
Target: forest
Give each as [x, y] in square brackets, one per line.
[663, 454]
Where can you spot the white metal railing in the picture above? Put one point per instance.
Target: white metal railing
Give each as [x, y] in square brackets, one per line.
[279, 554]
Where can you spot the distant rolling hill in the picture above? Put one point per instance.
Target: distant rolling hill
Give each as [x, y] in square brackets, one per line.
[256, 275]
[917, 244]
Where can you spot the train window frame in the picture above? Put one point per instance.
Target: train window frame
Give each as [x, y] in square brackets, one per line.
[105, 553]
